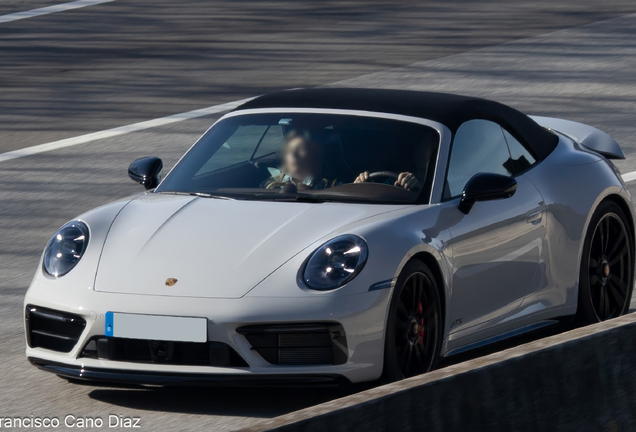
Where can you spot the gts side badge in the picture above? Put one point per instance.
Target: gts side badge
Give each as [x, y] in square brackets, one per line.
[456, 323]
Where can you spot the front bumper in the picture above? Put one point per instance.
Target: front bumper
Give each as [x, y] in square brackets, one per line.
[135, 378]
[361, 315]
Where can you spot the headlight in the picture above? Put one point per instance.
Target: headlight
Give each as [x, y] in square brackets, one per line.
[336, 262]
[66, 248]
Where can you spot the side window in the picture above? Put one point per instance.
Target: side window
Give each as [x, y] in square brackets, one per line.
[479, 146]
[521, 158]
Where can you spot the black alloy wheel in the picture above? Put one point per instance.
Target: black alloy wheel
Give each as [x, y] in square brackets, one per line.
[610, 267]
[414, 329]
[607, 267]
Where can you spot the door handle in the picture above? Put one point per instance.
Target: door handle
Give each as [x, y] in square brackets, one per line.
[535, 217]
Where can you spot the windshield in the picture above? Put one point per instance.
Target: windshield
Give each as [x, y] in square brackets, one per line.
[310, 157]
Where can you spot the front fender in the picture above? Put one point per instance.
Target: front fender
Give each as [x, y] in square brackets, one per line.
[99, 221]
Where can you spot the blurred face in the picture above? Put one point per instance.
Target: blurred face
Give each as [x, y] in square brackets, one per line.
[301, 159]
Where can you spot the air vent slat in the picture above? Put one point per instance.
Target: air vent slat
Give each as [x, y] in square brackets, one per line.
[49, 334]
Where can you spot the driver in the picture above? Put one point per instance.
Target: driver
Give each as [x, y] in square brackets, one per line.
[406, 180]
[301, 166]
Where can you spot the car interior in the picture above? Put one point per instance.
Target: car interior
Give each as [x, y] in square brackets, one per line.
[349, 147]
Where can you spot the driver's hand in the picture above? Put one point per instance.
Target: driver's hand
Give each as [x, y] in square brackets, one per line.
[363, 177]
[408, 181]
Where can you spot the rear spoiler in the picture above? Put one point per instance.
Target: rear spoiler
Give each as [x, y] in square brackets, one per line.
[588, 136]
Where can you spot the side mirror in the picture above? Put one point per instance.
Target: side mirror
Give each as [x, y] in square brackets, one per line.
[485, 187]
[146, 171]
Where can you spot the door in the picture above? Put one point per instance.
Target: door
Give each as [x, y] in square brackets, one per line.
[496, 247]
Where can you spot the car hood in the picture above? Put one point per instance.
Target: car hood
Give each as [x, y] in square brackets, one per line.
[213, 247]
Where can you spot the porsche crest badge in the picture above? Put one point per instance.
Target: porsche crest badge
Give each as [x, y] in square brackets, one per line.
[170, 282]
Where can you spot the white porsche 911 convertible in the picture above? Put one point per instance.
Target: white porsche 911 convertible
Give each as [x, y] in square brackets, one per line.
[337, 235]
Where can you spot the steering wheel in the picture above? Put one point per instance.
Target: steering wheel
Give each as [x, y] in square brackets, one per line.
[384, 174]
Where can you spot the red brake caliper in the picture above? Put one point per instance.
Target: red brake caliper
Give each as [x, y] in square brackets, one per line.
[419, 312]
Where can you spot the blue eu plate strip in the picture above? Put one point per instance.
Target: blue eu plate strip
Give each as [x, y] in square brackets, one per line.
[109, 324]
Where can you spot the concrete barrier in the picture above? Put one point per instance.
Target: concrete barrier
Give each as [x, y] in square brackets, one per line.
[581, 380]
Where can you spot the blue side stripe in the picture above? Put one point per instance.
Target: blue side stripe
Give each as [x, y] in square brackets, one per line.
[381, 285]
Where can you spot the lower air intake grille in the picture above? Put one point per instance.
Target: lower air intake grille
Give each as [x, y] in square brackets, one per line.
[51, 329]
[298, 344]
[164, 352]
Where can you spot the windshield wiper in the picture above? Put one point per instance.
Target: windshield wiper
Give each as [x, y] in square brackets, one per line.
[207, 195]
[300, 198]
[308, 198]
[201, 194]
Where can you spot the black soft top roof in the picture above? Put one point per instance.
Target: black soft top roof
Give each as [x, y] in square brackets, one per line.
[449, 109]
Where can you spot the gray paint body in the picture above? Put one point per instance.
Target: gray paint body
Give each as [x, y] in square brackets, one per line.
[506, 265]
[523, 254]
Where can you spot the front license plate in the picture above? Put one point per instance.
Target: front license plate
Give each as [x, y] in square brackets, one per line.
[156, 327]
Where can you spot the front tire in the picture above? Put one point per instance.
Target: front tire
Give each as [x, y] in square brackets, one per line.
[606, 278]
[414, 327]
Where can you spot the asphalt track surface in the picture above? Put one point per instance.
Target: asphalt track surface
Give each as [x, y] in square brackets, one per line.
[108, 65]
